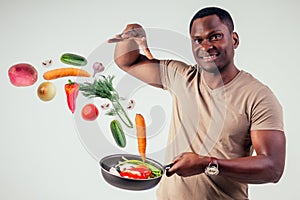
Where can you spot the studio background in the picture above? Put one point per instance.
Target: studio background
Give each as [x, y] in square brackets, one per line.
[41, 152]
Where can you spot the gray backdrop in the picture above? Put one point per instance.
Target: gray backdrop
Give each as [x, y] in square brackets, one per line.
[42, 153]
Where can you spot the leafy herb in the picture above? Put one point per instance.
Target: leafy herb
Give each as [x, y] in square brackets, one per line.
[103, 88]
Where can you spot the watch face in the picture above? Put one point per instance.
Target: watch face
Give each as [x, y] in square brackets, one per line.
[212, 170]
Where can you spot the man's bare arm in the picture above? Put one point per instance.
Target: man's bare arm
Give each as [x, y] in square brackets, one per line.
[128, 57]
[265, 167]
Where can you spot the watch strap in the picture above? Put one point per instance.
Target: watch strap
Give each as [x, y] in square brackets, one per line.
[212, 168]
[214, 161]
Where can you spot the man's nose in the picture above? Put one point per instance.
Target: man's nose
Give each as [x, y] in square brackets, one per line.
[205, 45]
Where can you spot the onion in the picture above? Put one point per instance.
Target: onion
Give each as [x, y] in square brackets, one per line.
[46, 91]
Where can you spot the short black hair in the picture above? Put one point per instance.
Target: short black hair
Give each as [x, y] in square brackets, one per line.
[223, 15]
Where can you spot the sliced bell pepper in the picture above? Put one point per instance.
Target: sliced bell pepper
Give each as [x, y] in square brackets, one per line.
[139, 172]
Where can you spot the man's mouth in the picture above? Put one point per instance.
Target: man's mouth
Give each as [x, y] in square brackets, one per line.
[209, 58]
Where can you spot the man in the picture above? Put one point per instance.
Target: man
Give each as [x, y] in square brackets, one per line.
[220, 113]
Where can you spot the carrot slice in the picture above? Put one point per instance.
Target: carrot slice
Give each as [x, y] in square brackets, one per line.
[141, 135]
[63, 72]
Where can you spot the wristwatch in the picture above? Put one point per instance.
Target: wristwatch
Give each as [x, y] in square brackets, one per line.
[212, 168]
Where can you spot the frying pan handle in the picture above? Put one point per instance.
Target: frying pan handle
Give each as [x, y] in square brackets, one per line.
[167, 167]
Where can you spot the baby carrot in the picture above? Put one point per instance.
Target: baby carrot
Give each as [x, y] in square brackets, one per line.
[63, 72]
[141, 135]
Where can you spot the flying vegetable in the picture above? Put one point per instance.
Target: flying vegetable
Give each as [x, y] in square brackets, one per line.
[103, 88]
[72, 90]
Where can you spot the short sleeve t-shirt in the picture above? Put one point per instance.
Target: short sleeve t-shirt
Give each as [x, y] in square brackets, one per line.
[213, 123]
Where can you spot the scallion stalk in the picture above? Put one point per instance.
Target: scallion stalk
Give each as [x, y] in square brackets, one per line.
[103, 88]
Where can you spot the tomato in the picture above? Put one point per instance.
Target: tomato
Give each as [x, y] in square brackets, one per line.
[89, 112]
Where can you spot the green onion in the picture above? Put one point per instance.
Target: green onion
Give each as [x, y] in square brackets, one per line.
[103, 88]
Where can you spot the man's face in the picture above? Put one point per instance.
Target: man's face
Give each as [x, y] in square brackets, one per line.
[213, 44]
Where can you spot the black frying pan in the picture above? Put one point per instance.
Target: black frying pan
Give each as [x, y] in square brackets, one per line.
[126, 183]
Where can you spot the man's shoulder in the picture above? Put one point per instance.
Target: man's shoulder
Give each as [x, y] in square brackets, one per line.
[178, 66]
[249, 80]
[253, 86]
[174, 63]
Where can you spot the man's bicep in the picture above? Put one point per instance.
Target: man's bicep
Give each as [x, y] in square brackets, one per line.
[270, 143]
[147, 71]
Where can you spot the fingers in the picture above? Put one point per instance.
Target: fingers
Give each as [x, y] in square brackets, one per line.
[181, 165]
[172, 170]
[179, 157]
[114, 40]
[188, 164]
[174, 166]
[133, 33]
[127, 34]
[117, 38]
[137, 34]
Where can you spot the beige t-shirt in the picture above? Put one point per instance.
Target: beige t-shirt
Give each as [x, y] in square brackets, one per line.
[213, 123]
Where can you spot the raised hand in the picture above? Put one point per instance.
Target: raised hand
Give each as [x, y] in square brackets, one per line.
[134, 32]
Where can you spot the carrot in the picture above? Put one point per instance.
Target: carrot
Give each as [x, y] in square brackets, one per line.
[141, 135]
[62, 72]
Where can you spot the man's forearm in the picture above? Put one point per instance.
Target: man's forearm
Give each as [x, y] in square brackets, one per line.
[253, 170]
[126, 54]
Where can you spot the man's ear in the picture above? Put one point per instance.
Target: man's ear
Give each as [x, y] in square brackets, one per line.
[235, 39]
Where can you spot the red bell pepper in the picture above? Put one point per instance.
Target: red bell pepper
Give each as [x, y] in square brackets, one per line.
[139, 172]
[72, 90]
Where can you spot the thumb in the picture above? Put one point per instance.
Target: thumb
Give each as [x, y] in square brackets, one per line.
[145, 48]
[148, 54]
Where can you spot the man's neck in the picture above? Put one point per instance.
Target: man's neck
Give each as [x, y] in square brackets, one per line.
[219, 79]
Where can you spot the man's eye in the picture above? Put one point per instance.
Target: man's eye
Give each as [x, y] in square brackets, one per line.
[216, 37]
[197, 41]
